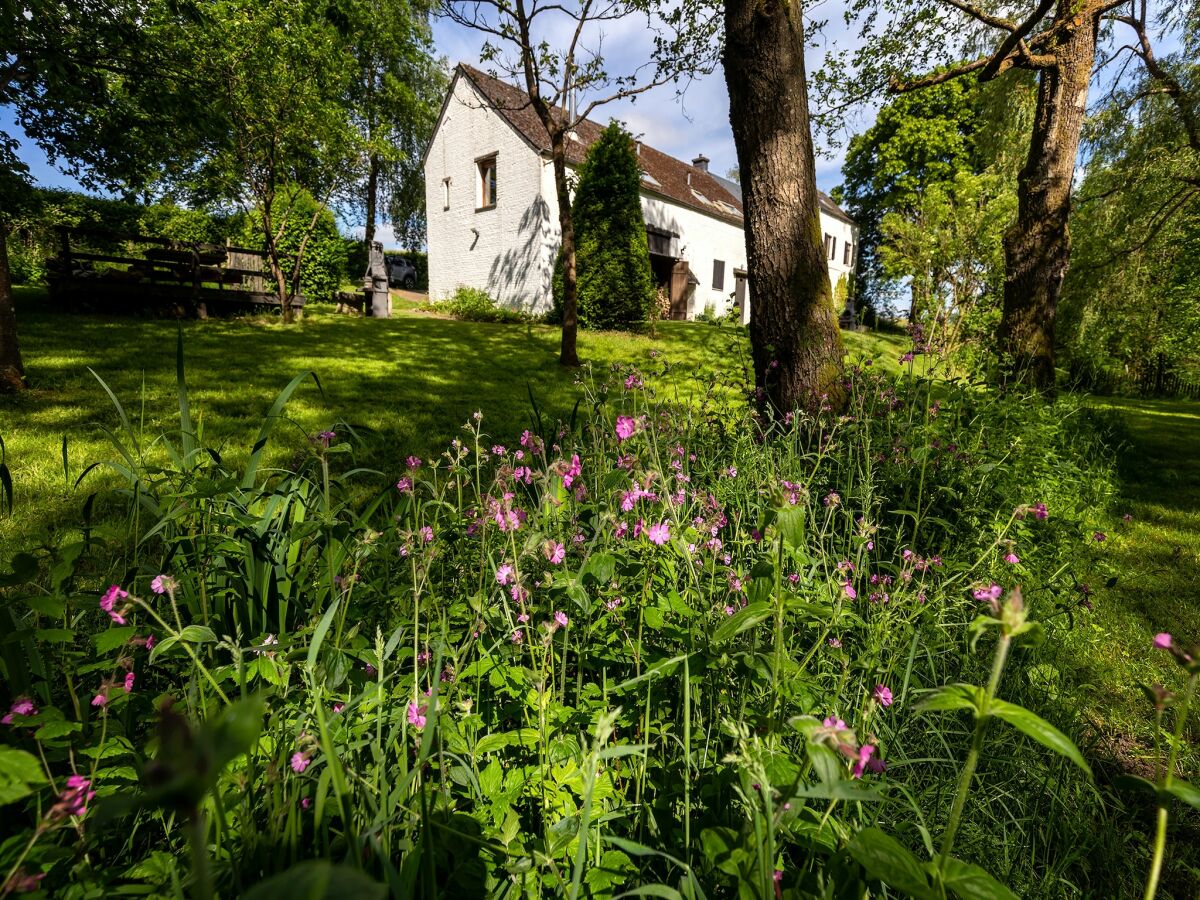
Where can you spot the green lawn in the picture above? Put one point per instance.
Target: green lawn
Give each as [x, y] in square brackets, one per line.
[412, 380]
[1156, 560]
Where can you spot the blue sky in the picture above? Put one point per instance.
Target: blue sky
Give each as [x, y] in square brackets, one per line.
[682, 125]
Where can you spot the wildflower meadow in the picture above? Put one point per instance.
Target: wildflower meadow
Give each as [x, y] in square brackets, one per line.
[655, 649]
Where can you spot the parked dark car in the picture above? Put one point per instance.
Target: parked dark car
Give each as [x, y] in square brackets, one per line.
[401, 273]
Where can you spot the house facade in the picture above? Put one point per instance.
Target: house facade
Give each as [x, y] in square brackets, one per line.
[492, 209]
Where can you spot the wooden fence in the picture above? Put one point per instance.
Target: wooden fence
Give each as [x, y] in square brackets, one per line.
[181, 277]
[1154, 383]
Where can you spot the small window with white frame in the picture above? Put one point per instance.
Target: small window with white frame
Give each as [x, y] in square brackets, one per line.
[485, 194]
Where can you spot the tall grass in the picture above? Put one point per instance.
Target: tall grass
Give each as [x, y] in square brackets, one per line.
[654, 649]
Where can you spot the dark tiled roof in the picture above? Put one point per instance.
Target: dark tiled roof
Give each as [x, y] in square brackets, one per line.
[672, 178]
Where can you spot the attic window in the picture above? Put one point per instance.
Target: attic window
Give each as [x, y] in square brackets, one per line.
[485, 194]
[650, 179]
[728, 207]
[699, 196]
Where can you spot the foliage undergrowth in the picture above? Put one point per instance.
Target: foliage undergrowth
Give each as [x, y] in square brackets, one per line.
[653, 647]
[476, 305]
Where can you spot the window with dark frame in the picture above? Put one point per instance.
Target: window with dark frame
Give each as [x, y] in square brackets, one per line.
[487, 182]
[846, 251]
[445, 193]
[828, 241]
[718, 274]
[833, 248]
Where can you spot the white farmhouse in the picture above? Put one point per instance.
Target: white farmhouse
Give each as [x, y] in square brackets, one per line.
[493, 212]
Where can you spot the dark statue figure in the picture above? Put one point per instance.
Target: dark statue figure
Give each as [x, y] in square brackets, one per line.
[375, 283]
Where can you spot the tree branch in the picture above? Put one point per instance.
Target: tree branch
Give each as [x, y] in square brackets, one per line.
[903, 87]
[1016, 41]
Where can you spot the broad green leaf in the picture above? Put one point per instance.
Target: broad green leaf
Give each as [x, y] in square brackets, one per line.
[197, 634]
[112, 638]
[953, 696]
[56, 729]
[1135, 783]
[1038, 729]
[1185, 791]
[972, 883]
[318, 880]
[791, 525]
[20, 773]
[55, 635]
[886, 859]
[744, 618]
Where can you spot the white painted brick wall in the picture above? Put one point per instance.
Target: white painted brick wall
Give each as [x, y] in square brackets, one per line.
[507, 250]
[512, 256]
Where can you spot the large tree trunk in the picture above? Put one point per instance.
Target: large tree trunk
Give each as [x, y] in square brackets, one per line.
[568, 356]
[12, 370]
[372, 199]
[794, 337]
[1037, 248]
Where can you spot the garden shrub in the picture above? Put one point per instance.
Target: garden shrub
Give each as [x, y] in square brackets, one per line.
[662, 649]
[323, 267]
[614, 283]
[476, 305]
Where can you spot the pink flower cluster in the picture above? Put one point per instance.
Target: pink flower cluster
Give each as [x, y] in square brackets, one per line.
[22, 706]
[109, 601]
[74, 799]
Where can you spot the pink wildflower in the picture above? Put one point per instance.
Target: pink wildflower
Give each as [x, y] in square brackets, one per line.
[74, 798]
[518, 637]
[405, 485]
[835, 643]
[150, 642]
[659, 534]
[100, 699]
[426, 534]
[416, 715]
[626, 428]
[988, 594]
[848, 590]
[300, 762]
[865, 752]
[555, 552]
[22, 706]
[129, 679]
[162, 583]
[883, 695]
[504, 574]
[560, 619]
[1099, 537]
[1162, 640]
[413, 462]
[1011, 558]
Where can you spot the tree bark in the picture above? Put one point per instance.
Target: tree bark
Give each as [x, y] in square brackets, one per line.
[1037, 248]
[12, 370]
[795, 342]
[568, 355]
[372, 199]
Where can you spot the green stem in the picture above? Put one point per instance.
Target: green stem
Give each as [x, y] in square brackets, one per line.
[968, 772]
[202, 875]
[1160, 830]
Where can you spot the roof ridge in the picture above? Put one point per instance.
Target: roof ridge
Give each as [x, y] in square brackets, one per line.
[689, 185]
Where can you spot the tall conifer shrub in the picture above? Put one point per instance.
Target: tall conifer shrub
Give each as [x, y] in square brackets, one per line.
[616, 288]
